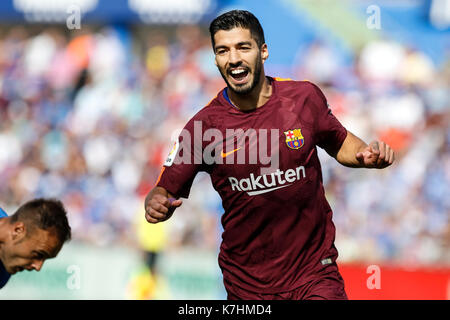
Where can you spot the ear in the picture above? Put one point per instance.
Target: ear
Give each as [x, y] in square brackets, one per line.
[264, 52]
[18, 231]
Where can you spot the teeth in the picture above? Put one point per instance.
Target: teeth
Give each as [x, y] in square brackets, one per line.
[237, 71]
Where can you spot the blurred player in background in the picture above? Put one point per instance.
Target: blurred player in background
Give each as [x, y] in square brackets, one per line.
[278, 239]
[147, 283]
[34, 233]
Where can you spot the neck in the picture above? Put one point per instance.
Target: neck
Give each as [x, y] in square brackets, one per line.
[255, 99]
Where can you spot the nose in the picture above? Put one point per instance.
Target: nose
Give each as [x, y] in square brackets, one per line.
[235, 57]
[37, 265]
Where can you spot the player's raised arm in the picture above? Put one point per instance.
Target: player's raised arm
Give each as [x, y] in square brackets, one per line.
[356, 153]
[160, 205]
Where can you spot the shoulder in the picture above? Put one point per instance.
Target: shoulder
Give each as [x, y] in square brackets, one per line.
[289, 87]
[4, 276]
[3, 214]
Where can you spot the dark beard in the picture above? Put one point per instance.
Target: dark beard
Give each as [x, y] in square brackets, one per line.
[255, 82]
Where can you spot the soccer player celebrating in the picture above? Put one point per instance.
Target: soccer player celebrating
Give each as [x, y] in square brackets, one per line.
[278, 239]
[34, 233]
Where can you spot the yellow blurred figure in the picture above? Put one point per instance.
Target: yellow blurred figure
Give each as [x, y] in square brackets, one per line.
[146, 283]
[158, 61]
[151, 237]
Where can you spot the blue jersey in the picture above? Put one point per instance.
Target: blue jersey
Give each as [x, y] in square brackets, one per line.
[4, 276]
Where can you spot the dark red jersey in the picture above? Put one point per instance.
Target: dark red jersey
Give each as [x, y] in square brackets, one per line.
[278, 229]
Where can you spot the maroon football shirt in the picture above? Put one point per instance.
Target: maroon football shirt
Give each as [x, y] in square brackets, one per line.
[278, 229]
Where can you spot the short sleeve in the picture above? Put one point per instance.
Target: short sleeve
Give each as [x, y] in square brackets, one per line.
[329, 132]
[183, 162]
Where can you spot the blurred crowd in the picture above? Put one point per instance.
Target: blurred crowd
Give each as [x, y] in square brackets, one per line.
[88, 117]
[396, 94]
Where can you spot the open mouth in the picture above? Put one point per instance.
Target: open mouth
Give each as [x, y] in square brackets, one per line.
[239, 75]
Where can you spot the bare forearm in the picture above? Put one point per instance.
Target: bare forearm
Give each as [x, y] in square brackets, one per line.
[350, 147]
[355, 153]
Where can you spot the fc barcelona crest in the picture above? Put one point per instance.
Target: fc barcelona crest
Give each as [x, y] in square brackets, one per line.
[294, 138]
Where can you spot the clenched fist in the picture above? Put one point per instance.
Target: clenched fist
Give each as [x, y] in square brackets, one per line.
[376, 155]
[160, 205]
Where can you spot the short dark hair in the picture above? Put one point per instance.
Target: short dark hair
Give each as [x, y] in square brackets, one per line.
[44, 214]
[238, 19]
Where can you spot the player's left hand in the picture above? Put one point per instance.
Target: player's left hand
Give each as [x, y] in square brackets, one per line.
[377, 155]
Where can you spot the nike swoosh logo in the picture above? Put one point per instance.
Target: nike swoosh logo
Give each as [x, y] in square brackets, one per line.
[255, 193]
[224, 155]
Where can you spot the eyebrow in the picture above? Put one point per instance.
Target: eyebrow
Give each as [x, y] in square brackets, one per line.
[242, 43]
[245, 43]
[45, 254]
